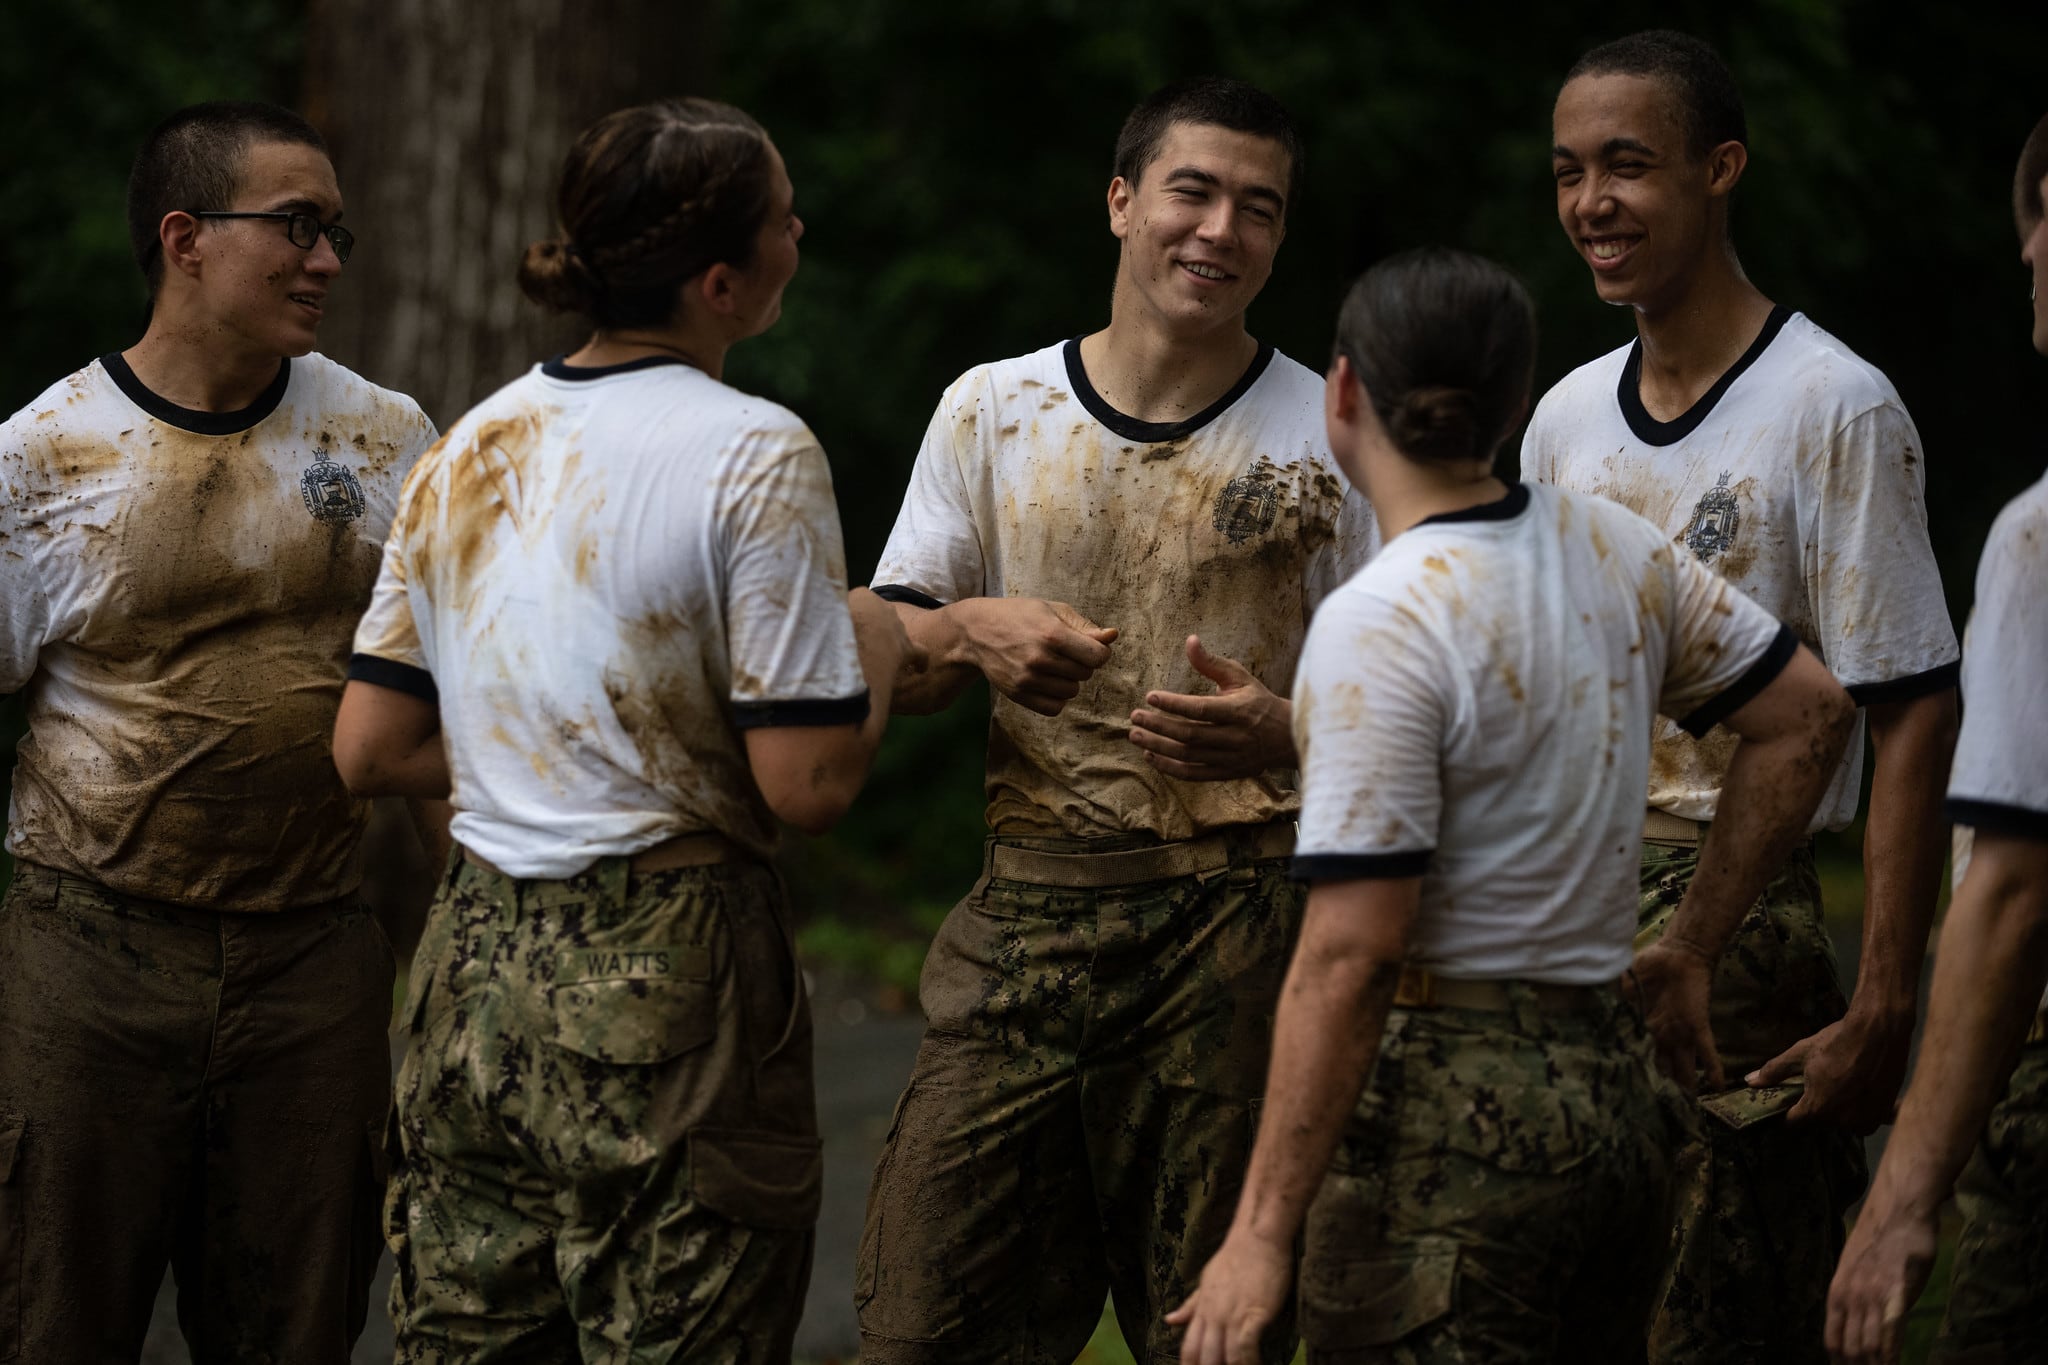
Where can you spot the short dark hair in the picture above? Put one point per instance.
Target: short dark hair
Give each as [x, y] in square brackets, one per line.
[1215, 100]
[1709, 105]
[650, 198]
[192, 163]
[2027, 208]
[1445, 344]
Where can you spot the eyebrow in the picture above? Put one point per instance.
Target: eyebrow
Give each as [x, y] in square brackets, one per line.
[1608, 148]
[302, 205]
[1250, 191]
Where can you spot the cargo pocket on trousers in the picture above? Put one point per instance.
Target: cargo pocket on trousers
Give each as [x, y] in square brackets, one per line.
[758, 1179]
[635, 1006]
[1376, 1302]
[1522, 1128]
[13, 1234]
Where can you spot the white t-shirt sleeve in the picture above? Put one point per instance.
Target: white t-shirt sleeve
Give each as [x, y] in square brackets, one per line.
[788, 631]
[2000, 778]
[24, 602]
[1537, 465]
[388, 650]
[1371, 708]
[1723, 650]
[1879, 613]
[1351, 547]
[934, 555]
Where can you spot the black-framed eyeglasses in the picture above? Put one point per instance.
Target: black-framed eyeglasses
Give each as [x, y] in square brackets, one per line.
[304, 230]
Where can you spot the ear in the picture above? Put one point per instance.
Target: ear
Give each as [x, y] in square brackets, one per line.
[1342, 392]
[716, 289]
[178, 238]
[1725, 165]
[1121, 192]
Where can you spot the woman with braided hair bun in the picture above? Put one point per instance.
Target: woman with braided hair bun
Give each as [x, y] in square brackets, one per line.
[613, 630]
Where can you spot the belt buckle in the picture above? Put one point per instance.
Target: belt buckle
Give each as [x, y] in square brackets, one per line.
[1417, 989]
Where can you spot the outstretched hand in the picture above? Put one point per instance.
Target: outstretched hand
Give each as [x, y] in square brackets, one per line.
[1671, 984]
[1241, 731]
[1242, 1289]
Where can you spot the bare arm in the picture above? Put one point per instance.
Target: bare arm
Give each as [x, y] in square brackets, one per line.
[1036, 653]
[1987, 985]
[809, 774]
[388, 743]
[1333, 1010]
[1854, 1067]
[430, 821]
[1792, 736]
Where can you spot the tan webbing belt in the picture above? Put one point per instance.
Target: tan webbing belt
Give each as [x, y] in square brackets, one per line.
[702, 848]
[1127, 867]
[1662, 827]
[1421, 989]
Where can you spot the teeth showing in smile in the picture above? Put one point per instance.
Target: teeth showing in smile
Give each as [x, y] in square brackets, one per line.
[1607, 251]
[1207, 272]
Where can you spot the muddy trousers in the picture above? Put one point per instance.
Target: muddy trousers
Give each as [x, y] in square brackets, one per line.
[608, 1144]
[1760, 1210]
[1998, 1292]
[1079, 1117]
[200, 1089]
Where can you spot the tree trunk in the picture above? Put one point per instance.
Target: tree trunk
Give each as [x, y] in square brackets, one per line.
[448, 120]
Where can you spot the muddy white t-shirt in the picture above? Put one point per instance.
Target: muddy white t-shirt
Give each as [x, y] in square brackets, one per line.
[1231, 525]
[178, 590]
[604, 575]
[1799, 478]
[1474, 709]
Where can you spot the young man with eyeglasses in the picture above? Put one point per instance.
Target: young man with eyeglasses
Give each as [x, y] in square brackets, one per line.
[193, 1067]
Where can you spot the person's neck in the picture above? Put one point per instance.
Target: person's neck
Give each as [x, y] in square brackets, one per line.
[1153, 374]
[199, 367]
[698, 347]
[1404, 493]
[1689, 342]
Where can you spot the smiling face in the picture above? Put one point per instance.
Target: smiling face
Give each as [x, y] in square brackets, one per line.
[254, 284]
[1201, 226]
[1642, 211]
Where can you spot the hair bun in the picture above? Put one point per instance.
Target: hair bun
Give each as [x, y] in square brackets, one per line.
[1437, 423]
[555, 275]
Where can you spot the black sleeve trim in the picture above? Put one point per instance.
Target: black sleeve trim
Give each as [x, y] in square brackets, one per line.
[1351, 867]
[1909, 688]
[896, 592]
[767, 715]
[379, 672]
[1743, 690]
[1995, 817]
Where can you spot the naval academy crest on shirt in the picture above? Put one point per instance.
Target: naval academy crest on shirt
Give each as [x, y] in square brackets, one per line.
[330, 490]
[1246, 507]
[1715, 519]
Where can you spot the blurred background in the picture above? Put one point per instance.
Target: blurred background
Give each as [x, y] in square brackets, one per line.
[950, 163]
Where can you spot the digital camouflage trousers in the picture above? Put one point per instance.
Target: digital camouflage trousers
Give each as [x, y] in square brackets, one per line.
[606, 1132]
[1998, 1290]
[1760, 1210]
[1079, 1118]
[1501, 1193]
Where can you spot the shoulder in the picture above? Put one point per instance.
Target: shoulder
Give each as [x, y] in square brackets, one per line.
[1289, 379]
[1586, 391]
[1815, 374]
[76, 407]
[341, 392]
[2017, 548]
[1006, 380]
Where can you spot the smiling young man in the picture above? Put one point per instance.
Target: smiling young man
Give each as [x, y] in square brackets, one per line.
[193, 1067]
[1096, 528]
[1788, 465]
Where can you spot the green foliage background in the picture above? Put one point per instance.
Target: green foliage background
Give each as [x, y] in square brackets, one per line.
[950, 163]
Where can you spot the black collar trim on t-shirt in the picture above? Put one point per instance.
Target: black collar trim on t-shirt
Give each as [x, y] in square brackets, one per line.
[1648, 429]
[1500, 509]
[191, 419]
[560, 368]
[1130, 428]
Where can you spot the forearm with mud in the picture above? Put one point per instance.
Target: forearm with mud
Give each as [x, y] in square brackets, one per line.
[1905, 843]
[930, 683]
[1333, 1011]
[1769, 794]
[1987, 985]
